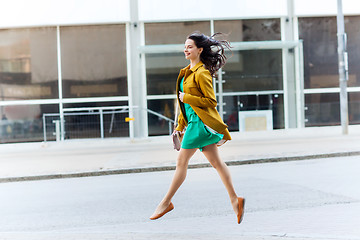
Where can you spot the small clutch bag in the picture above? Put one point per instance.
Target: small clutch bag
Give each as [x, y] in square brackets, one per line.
[176, 138]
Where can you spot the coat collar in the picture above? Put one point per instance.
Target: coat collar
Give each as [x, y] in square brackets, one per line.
[194, 68]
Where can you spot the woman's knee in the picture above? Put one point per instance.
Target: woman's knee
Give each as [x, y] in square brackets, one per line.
[182, 161]
[215, 163]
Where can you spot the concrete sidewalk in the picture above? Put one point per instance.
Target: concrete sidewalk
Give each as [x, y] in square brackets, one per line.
[77, 158]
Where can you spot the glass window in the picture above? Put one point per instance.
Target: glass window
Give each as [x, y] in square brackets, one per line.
[322, 109]
[158, 125]
[162, 70]
[24, 123]
[353, 33]
[173, 32]
[28, 64]
[253, 70]
[354, 108]
[93, 60]
[250, 30]
[320, 51]
[87, 124]
[234, 104]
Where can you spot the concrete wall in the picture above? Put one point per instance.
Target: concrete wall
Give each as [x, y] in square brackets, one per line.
[325, 7]
[23, 13]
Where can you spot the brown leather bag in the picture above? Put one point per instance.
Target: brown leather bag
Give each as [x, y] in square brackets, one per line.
[176, 136]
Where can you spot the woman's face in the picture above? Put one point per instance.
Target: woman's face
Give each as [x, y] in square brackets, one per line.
[191, 51]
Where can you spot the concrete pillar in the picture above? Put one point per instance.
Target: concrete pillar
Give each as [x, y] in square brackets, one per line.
[136, 81]
[289, 70]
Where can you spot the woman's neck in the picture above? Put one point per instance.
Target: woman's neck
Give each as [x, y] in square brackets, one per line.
[194, 62]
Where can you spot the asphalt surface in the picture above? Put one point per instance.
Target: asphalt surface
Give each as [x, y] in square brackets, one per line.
[313, 199]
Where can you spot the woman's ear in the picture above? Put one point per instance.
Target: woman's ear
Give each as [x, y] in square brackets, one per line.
[200, 50]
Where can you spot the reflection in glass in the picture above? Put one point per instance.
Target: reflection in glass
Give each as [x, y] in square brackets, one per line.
[253, 70]
[173, 32]
[157, 125]
[28, 64]
[322, 109]
[162, 70]
[320, 52]
[24, 123]
[354, 108]
[234, 104]
[249, 30]
[353, 38]
[93, 60]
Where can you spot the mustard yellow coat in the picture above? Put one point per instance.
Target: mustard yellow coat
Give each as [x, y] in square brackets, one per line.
[199, 93]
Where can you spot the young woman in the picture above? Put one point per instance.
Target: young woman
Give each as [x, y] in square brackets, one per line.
[205, 129]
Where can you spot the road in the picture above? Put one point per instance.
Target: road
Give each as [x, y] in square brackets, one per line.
[310, 199]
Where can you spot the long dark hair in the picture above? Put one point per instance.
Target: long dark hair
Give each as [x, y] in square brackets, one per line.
[213, 54]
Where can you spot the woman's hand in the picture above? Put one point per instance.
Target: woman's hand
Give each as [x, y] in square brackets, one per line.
[179, 133]
[181, 96]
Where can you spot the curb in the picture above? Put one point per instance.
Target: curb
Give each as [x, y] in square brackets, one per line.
[171, 168]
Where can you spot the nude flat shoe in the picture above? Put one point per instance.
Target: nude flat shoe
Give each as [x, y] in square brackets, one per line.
[168, 209]
[240, 215]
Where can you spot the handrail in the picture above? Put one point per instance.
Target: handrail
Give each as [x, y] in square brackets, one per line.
[101, 111]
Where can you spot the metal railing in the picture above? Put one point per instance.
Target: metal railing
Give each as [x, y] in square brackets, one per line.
[92, 122]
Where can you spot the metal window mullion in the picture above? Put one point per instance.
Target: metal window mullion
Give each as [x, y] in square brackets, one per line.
[284, 52]
[300, 97]
[143, 79]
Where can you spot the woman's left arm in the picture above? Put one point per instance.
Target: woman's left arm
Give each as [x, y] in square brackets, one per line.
[206, 87]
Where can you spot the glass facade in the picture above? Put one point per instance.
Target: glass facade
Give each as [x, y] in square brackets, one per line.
[162, 70]
[157, 125]
[94, 74]
[163, 33]
[251, 102]
[249, 30]
[28, 64]
[93, 64]
[93, 61]
[321, 68]
[24, 123]
[253, 70]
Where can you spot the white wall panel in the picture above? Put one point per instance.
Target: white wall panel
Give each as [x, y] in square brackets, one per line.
[325, 7]
[22, 13]
[172, 10]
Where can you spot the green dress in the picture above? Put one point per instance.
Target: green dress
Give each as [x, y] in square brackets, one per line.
[197, 135]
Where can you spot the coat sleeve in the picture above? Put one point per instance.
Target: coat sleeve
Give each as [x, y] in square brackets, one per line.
[181, 123]
[205, 84]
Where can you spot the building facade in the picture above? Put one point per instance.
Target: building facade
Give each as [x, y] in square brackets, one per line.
[91, 69]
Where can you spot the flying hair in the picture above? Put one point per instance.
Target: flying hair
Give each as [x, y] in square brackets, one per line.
[213, 54]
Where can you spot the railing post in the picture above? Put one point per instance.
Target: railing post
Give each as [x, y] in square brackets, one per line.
[44, 126]
[57, 129]
[101, 123]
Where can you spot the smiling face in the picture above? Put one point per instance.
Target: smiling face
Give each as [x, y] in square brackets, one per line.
[192, 52]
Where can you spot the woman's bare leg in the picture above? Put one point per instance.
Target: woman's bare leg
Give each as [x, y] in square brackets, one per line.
[179, 177]
[212, 154]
